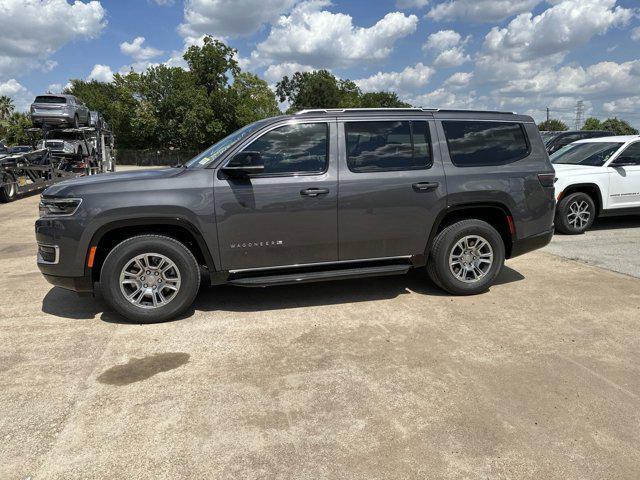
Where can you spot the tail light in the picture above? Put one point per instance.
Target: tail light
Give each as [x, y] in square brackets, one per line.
[547, 179]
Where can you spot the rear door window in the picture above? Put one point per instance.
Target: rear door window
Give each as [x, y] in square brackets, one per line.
[383, 146]
[479, 143]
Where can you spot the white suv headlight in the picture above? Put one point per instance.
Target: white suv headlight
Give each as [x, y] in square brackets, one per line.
[57, 207]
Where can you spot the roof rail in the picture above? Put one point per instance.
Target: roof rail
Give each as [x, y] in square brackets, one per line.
[346, 110]
[411, 109]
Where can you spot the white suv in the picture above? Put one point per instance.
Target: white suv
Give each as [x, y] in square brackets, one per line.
[596, 177]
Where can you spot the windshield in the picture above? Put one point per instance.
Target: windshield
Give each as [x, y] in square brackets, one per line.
[217, 149]
[546, 136]
[65, 136]
[594, 154]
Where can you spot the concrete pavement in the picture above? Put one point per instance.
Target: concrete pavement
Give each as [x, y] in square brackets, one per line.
[369, 379]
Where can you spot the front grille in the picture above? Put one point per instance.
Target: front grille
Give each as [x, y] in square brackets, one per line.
[48, 254]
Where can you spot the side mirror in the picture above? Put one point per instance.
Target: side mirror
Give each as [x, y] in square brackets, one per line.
[244, 163]
[624, 162]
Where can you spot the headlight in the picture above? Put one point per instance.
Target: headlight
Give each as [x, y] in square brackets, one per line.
[59, 206]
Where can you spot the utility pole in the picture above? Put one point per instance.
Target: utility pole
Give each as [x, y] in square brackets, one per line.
[547, 114]
[579, 115]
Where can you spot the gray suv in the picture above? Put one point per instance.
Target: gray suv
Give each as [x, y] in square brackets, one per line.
[317, 195]
[59, 110]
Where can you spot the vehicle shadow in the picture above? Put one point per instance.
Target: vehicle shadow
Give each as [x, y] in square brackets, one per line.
[614, 223]
[62, 303]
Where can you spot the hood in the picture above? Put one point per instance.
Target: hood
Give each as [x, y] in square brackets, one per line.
[564, 169]
[111, 182]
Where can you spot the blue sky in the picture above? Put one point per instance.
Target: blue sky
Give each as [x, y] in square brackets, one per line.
[521, 55]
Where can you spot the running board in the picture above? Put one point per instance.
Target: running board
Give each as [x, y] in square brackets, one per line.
[306, 277]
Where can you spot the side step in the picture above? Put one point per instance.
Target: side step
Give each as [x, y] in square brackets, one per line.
[306, 277]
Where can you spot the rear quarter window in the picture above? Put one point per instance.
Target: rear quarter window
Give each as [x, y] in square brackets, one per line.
[480, 143]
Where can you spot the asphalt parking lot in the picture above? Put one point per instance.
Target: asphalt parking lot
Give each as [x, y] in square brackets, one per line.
[380, 378]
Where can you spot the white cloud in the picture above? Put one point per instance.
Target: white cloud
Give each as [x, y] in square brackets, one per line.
[450, 46]
[443, 40]
[313, 36]
[635, 34]
[408, 80]
[229, 17]
[164, 2]
[459, 79]
[406, 4]
[20, 95]
[445, 98]
[564, 26]
[48, 65]
[137, 51]
[274, 73]
[604, 78]
[623, 105]
[101, 73]
[32, 30]
[55, 88]
[480, 10]
[454, 57]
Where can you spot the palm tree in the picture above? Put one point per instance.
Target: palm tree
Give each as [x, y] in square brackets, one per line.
[6, 107]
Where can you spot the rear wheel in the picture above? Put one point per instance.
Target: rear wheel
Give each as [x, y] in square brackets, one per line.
[466, 257]
[150, 278]
[8, 191]
[575, 214]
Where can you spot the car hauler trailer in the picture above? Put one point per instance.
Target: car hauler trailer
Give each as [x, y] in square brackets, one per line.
[36, 170]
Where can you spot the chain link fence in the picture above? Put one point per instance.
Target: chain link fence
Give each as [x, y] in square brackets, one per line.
[151, 158]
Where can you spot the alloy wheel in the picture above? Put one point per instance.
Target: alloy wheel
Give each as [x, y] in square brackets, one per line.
[150, 280]
[471, 258]
[578, 215]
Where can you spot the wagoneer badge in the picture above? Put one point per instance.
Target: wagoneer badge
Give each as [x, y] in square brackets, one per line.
[269, 243]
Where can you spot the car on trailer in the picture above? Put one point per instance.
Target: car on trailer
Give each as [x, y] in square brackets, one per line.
[59, 110]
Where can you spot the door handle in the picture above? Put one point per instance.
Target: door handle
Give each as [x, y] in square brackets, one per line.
[425, 186]
[314, 192]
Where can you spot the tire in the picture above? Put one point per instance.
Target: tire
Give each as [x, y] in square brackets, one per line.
[476, 270]
[76, 121]
[8, 191]
[122, 258]
[570, 223]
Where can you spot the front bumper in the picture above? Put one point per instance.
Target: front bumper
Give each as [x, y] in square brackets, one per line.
[528, 244]
[82, 285]
[64, 266]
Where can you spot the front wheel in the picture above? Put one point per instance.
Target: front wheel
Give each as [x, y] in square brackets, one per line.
[150, 278]
[575, 214]
[466, 257]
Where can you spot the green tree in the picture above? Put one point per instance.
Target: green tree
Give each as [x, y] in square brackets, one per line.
[592, 123]
[350, 94]
[618, 126]
[253, 98]
[15, 129]
[6, 107]
[211, 64]
[382, 100]
[318, 89]
[552, 125]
